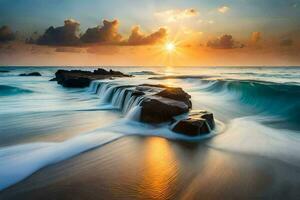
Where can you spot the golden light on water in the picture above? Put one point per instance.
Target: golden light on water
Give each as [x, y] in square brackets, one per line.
[161, 169]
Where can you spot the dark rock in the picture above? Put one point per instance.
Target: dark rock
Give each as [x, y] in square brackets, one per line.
[208, 116]
[176, 94]
[31, 74]
[137, 93]
[198, 123]
[79, 78]
[163, 103]
[191, 127]
[159, 109]
[76, 82]
[53, 79]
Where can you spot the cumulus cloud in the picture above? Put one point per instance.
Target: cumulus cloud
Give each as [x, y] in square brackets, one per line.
[223, 9]
[173, 15]
[106, 34]
[224, 42]
[63, 35]
[255, 37]
[139, 38]
[6, 34]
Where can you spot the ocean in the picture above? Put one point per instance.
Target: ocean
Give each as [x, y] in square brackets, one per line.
[257, 110]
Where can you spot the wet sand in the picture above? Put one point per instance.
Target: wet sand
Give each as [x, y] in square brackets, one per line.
[137, 167]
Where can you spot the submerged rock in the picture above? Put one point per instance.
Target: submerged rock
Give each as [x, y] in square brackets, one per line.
[80, 78]
[31, 74]
[198, 123]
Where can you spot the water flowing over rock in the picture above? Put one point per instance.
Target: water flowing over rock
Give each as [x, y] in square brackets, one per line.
[153, 103]
[198, 123]
[80, 78]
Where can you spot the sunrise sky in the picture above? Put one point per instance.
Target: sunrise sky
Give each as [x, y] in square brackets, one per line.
[150, 32]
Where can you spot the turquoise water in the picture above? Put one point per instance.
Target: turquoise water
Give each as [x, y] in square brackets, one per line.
[257, 111]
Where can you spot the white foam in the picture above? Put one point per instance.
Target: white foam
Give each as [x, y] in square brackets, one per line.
[20, 161]
[248, 135]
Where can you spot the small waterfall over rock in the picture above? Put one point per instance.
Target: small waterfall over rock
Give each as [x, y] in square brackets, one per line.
[121, 97]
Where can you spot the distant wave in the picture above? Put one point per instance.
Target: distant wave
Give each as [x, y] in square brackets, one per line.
[144, 73]
[6, 90]
[181, 77]
[266, 75]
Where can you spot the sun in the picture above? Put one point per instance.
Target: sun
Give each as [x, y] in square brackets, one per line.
[170, 46]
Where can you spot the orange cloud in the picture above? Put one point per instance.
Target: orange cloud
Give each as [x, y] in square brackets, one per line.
[139, 38]
[255, 37]
[69, 50]
[224, 42]
[107, 34]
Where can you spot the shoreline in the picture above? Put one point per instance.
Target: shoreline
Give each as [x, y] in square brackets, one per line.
[136, 167]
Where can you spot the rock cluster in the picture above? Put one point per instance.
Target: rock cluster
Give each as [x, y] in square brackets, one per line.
[80, 78]
[159, 103]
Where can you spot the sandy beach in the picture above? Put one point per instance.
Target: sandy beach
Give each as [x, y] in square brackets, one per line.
[137, 167]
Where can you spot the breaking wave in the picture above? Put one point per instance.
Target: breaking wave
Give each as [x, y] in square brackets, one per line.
[6, 90]
[280, 100]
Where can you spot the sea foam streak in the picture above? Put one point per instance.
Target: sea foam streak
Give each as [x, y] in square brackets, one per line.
[18, 162]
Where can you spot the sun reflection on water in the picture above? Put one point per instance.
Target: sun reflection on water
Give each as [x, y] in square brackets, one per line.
[161, 169]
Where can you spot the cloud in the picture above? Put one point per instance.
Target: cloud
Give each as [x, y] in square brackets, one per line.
[139, 38]
[106, 34]
[286, 42]
[63, 35]
[69, 50]
[103, 50]
[224, 42]
[6, 34]
[223, 9]
[255, 37]
[205, 22]
[173, 15]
